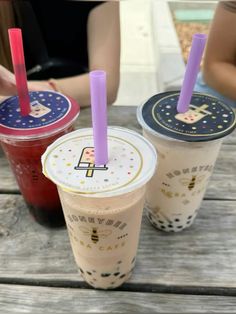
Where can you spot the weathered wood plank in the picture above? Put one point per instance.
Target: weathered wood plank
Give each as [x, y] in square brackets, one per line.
[29, 299]
[202, 256]
[222, 184]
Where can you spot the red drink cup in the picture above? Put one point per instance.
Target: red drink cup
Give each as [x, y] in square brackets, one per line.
[24, 140]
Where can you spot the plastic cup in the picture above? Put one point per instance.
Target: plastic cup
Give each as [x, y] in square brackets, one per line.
[25, 139]
[103, 204]
[188, 145]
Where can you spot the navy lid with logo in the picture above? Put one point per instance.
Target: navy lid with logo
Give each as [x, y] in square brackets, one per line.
[207, 118]
[50, 112]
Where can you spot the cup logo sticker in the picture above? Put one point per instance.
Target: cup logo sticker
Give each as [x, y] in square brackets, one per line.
[194, 180]
[191, 182]
[94, 233]
[97, 233]
[38, 110]
[194, 114]
[87, 162]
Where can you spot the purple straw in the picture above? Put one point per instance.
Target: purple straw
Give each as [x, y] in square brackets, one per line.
[192, 68]
[99, 115]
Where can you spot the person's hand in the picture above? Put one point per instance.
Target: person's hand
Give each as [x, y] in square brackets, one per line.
[7, 82]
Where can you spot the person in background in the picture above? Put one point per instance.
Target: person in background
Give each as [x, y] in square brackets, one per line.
[63, 41]
[218, 77]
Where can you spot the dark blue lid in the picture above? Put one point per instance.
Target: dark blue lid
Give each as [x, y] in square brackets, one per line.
[50, 111]
[207, 118]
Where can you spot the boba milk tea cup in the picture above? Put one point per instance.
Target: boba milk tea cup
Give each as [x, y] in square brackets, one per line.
[188, 145]
[102, 204]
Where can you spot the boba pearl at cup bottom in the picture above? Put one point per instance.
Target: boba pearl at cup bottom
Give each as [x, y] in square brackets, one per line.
[175, 224]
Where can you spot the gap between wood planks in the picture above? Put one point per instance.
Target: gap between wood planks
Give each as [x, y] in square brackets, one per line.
[129, 287]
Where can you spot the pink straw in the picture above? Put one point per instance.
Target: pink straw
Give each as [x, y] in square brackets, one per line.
[192, 68]
[18, 60]
[99, 115]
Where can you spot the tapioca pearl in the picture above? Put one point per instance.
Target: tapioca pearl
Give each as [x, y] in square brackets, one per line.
[119, 262]
[81, 270]
[122, 276]
[161, 222]
[189, 221]
[177, 219]
[170, 226]
[179, 227]
[189, 217]
[89, 273]
[116, 274]
[163, 227]
[105, 274]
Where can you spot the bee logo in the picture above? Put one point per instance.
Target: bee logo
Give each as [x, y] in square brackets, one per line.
[191, 183]
[95, 234]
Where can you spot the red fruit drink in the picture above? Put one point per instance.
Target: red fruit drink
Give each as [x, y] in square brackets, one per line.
[25, 139]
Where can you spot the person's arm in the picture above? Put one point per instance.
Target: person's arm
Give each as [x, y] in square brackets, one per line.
[219, 69]
[103, 33]
[7, 82]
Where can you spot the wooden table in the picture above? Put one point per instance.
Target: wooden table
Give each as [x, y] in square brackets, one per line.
[192, 271]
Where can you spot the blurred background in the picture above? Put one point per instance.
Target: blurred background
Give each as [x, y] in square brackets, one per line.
[156, 37]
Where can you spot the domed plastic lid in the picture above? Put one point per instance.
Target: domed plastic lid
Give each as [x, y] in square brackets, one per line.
[207, 118]
[69, 162]
[50, 111]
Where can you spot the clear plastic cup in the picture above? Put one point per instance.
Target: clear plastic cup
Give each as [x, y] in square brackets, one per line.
[102, 205]
[25, 139]
[188, 145]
